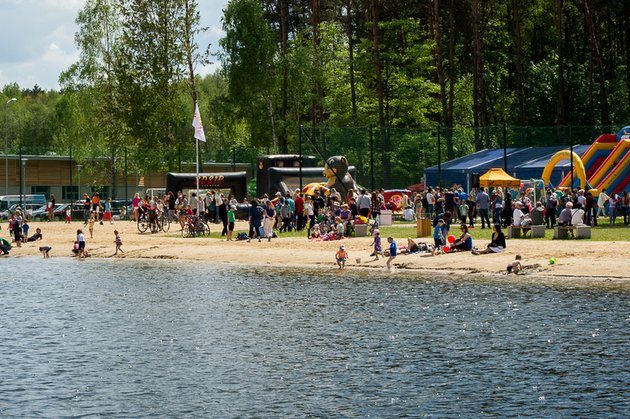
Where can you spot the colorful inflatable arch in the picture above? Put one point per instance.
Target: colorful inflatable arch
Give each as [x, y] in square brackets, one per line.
[566, 155]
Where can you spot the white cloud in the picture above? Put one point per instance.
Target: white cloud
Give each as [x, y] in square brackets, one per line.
[37, 39]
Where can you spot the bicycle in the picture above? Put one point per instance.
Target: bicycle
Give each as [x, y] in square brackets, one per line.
[195, 226]
[157, 222]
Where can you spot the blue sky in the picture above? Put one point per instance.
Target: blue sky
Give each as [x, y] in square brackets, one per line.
[37, 38]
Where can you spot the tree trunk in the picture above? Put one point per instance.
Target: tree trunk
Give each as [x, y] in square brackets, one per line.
[591, 72]
[316, 112]
[479, 94]
[520, 82]
[596, 53]
[188, 43]
[284, 45]
[560, 110]
[626, 28]
[349, 32]
[378, 66]
[451, 75]
[434, 26]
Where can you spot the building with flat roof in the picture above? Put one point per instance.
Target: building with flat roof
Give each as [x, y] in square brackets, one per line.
[67, 178]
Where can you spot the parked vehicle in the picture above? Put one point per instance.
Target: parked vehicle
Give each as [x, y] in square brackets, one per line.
[59, 212]
[6, 201]
[28, 210]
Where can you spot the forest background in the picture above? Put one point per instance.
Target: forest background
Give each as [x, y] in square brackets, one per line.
[393, 85]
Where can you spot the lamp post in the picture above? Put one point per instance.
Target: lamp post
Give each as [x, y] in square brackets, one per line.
[6, 146]
[79, 167]
[22, 182]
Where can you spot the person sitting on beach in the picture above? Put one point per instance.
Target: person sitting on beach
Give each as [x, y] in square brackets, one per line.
[377, 244]
[412, 246]
[37, 236]
[465, 241]
[515, 267]
[341, 256]
[5, 246]
[316, 232]
[45, 251]
[564, 219]
[497, 242]
[340, 228]
[438, 237]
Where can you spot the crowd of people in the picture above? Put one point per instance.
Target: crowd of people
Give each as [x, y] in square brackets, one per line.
[331, 216]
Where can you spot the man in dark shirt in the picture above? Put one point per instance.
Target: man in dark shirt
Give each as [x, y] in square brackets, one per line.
[449, 201]
[318, 203]
[87, 203]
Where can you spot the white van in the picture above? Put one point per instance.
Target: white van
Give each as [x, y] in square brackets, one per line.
[7, 201]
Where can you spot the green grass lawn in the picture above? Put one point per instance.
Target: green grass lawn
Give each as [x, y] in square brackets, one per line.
[603, 232]
[401, 230]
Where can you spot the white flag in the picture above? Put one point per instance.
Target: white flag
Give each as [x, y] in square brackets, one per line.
[199, 134]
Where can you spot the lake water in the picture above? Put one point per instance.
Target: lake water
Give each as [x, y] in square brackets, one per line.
[146, 338]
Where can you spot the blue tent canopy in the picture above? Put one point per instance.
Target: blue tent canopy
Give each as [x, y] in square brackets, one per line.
[523, 163]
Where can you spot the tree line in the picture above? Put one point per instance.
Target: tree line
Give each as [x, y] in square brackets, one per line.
[351, 63]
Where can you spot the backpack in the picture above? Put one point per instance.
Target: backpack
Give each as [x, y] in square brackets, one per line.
[242, 236]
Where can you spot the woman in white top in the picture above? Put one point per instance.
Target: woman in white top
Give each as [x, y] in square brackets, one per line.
[309, 212]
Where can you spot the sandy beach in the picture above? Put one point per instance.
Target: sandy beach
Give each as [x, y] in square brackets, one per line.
[574, 259]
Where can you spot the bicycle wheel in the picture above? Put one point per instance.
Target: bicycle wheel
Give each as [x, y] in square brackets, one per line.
[142, 224]
[200, 229]
[165, 225]
[187, 231]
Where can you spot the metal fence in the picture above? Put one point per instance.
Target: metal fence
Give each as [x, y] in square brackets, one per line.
[383, 157]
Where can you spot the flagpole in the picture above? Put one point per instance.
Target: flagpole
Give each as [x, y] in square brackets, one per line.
[199, 136]
[197, 164]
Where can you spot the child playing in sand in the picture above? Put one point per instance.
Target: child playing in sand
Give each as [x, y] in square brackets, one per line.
[377, 244]
[81, 241]
[393, 252]
[118, 242]
[515, 267]
[91, 224]
[341, 256]
[438, 236]
[45, 251]
[25, 228]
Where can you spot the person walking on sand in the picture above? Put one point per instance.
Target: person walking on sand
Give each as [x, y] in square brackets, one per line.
[393, 252]
[341, 256]
[51, 208]
[91, 224]
[378, 249]
[438, 236]
[117, 242]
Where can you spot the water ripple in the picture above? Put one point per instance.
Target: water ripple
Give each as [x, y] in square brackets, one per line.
[145, 338]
